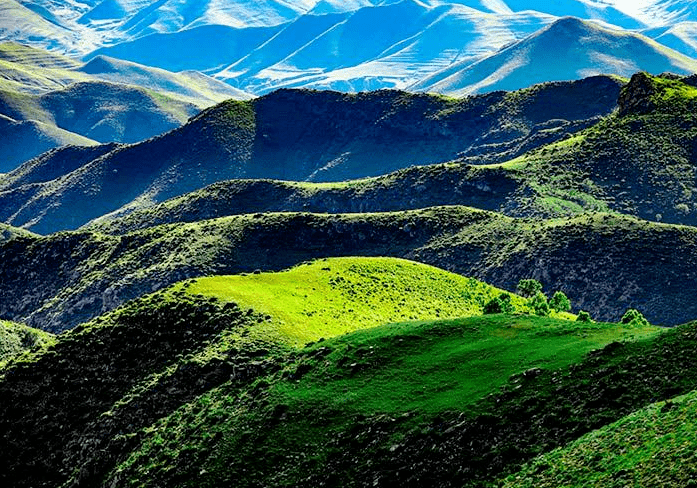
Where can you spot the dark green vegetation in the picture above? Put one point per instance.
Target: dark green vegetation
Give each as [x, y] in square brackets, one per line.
[605, 263]
[179, 355]
[310, 136]
[360, 371]
[652, 447]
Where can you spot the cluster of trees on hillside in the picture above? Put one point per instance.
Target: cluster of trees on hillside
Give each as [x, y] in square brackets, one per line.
[540, 305]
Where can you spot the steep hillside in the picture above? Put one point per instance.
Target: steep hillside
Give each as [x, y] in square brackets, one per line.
[316, 136]
[106, 383]
[604, 263]
[52, 164]
[54, 100]
[586, 49]
[84, 114]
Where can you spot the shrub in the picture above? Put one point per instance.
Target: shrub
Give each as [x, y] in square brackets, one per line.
[539, 304]
[560, 302]
[499, 304]
[529, 287]
[634, 317]
[583, 317]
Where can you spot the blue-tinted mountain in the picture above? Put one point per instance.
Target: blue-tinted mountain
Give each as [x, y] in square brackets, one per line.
[568, 49]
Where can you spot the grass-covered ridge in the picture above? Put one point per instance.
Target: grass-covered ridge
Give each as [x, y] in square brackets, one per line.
[334, 296]
[589, 257]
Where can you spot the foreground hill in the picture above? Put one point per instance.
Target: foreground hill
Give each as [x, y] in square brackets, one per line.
[377, 443]
[107, 383]
[605, 263]
[315, 136]
[583, 49]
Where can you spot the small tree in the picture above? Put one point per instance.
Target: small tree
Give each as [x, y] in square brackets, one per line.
[634, 317]
[529, 287]
[583, 317]
[539, 304]
[560, 302]
[499, 304]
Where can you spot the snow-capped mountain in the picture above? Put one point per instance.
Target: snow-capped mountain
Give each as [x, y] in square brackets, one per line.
[348, 45]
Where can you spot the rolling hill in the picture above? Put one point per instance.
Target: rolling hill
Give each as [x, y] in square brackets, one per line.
[605, 263]
[48, 100]
[584, 49]
[639, 161]
[306, 135]
[23, 140]
[180, 348]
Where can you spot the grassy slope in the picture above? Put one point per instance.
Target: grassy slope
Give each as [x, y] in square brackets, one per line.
[652, 447]
[291, 428]
[334, 296]
[405, 375]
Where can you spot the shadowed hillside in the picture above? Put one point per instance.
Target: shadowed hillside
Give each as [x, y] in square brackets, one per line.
[314, 136]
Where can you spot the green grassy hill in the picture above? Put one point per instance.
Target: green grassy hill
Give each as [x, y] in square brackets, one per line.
[399, 379]
[605, 263]
[186, 349]
[338, 295]
[16, 339]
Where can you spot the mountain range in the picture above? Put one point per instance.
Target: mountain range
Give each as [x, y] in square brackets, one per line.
[347, 46]
[471, 263]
